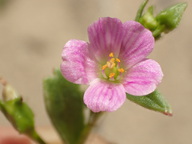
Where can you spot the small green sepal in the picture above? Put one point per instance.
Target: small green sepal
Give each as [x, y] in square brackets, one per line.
[153, 101]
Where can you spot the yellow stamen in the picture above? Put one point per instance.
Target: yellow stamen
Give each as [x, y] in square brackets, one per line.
[111, 55]
[111, 75]
[112, 60]
[110, 64]
[104, 67]
[118, 60]
[111, 70]
[121, 70]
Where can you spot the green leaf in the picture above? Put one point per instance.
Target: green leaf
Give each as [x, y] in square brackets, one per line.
[153, 101]
[171, 17]
[64, 104]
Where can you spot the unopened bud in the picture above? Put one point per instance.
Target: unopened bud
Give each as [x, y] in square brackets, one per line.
[148, 20]
[171, 16]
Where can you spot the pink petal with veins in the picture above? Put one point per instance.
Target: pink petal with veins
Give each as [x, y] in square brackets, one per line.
[105, 36]
[103, 96]
[137, 43]
[143, 78]
[77, 67]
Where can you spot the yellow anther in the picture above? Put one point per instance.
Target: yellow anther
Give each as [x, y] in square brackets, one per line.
[118, 60]
[111, 75]
[104, 67]
[110, 64]
[111, 55]
[112, 60]
[121, 70]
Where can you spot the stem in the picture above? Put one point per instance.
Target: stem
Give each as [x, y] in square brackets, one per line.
[91, 123]
[140, 10]
[34, 135]
[158, 31]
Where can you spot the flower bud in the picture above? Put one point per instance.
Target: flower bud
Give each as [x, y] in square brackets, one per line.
[148, 20]
[171, 16]
[18, 112]
[165, 21]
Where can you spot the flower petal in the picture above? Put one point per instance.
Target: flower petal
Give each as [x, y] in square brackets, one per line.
[77, 67]
[143, 78]
[137, 43]
[105, 36]
[103, 96]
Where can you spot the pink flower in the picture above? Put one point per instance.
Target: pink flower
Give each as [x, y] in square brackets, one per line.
[113, 63]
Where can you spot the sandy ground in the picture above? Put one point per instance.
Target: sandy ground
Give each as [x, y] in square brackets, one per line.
[33, 32]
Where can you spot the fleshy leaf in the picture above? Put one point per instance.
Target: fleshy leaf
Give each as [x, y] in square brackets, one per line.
[153, 101]
[171, 17]
[64, 106]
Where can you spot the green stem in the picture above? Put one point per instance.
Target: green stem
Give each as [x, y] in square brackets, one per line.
[35, 136]
[91, 123]
[140, 10]
[157, 32]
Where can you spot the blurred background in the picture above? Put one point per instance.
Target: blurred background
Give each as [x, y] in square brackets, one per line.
[32, 35]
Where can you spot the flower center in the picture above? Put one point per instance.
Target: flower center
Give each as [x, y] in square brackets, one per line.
[112, 70]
